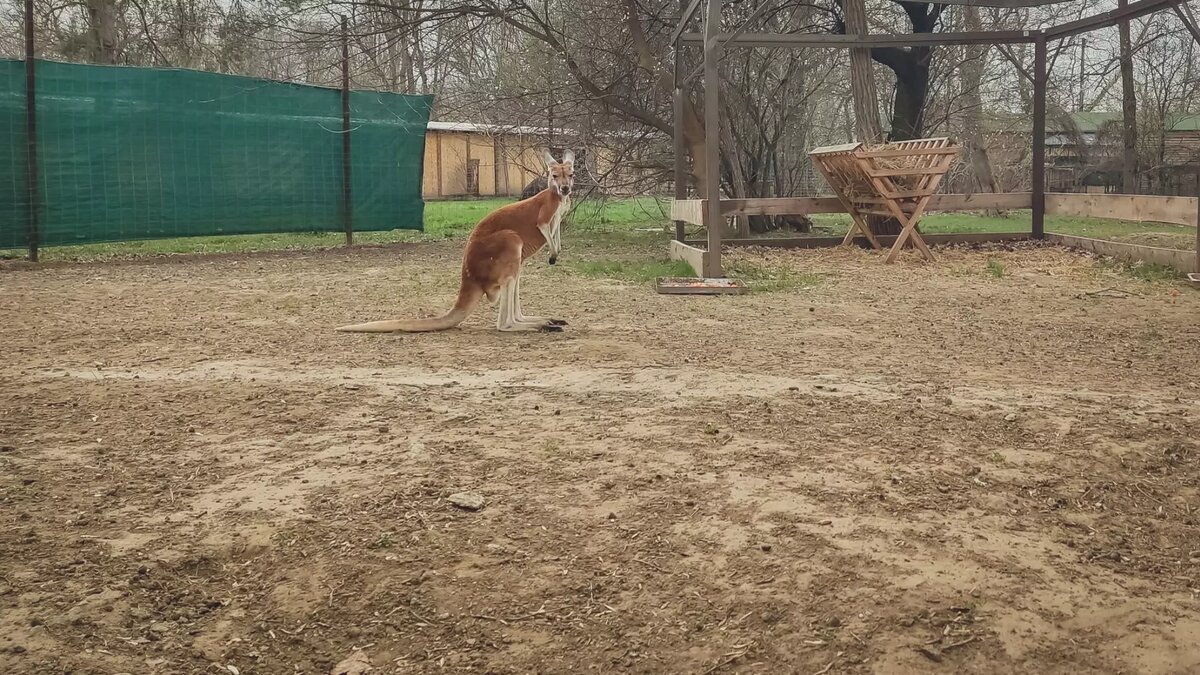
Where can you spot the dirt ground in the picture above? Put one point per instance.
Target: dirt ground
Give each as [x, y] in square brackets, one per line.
[905, 469]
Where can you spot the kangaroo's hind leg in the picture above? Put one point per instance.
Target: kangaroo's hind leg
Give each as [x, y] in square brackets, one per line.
[510, 306]
[532, 319]
[494, 262]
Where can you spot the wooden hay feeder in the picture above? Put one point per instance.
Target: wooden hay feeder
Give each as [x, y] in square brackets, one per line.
[893, 180]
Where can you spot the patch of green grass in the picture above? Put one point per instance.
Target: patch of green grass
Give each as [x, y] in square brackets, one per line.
[995, 268]
[637, 271]
[642, 222]
[620, 221]
[1154, 234]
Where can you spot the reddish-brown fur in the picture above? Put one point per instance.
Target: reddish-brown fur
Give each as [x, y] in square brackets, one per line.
[512, 228]
[497, 247]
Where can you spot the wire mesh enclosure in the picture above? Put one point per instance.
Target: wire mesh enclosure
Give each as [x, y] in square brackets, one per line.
[144, 153]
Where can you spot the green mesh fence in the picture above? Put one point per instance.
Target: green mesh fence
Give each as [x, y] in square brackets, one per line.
[147, 153]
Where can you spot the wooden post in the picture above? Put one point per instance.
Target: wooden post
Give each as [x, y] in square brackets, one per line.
[713, 220]
[681, 179]
[467, 168]
[347, 195]
[31, 154]
[438, 137]
[501, 169]
[1197, 265]
[1039, 137]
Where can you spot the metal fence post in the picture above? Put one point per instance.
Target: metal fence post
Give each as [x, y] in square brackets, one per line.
[347, 203]
[31, 154]
[1040, 77]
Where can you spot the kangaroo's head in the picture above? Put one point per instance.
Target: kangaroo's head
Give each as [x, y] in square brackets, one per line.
[561, 175]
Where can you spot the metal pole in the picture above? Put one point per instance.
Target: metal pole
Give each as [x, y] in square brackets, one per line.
[681, 179]
[347, 202]
[1197, 265]
[31, 154]
[1039, 137]
[713, 220]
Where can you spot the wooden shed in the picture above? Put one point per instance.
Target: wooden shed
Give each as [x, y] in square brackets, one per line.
[465, 160]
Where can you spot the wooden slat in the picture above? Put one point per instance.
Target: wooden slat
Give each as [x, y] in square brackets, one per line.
[781, 206]
[915, 171]
[688, 210]
[981, 201]
[691, 210]
[883, 213]
[886, 240]
[1138, 208]
[832, 149]
[694, 257]
[1183, 261]
[910, 153]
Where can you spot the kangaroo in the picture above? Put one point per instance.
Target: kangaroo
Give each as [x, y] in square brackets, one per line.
[492, 262]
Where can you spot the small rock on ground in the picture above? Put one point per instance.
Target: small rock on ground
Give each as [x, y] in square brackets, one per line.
[355, 664]
[470, 501]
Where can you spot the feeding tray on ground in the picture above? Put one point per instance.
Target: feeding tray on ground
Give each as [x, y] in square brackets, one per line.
[698, 286]
[1195, 279]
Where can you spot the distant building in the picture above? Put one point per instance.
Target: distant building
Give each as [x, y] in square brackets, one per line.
[465, 160]
[1085, 151]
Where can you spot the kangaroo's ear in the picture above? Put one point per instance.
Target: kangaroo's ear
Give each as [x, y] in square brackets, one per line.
[569, 157]
[550, 161]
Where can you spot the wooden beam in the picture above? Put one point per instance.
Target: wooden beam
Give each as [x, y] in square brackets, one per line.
[885, 240]
[874, 40]
[1189, 20]
[1127, 12]
[684, 18]
[981, 201]
[781, 206]
[1137, 208]
[714, 222]
[1182, 261]
[677, 106]
[688, 211]
[694, 257]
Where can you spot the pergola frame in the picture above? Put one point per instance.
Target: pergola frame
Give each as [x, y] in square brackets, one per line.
[715, 43]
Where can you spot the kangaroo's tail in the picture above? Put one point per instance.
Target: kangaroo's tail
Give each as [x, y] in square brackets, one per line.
[468, 297]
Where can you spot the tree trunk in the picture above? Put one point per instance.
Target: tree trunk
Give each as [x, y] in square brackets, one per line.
[908, 110]
[102, 31]
[737, 177]
[866, 99]
[972, 78]
[862, 77]
[1129, 113]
